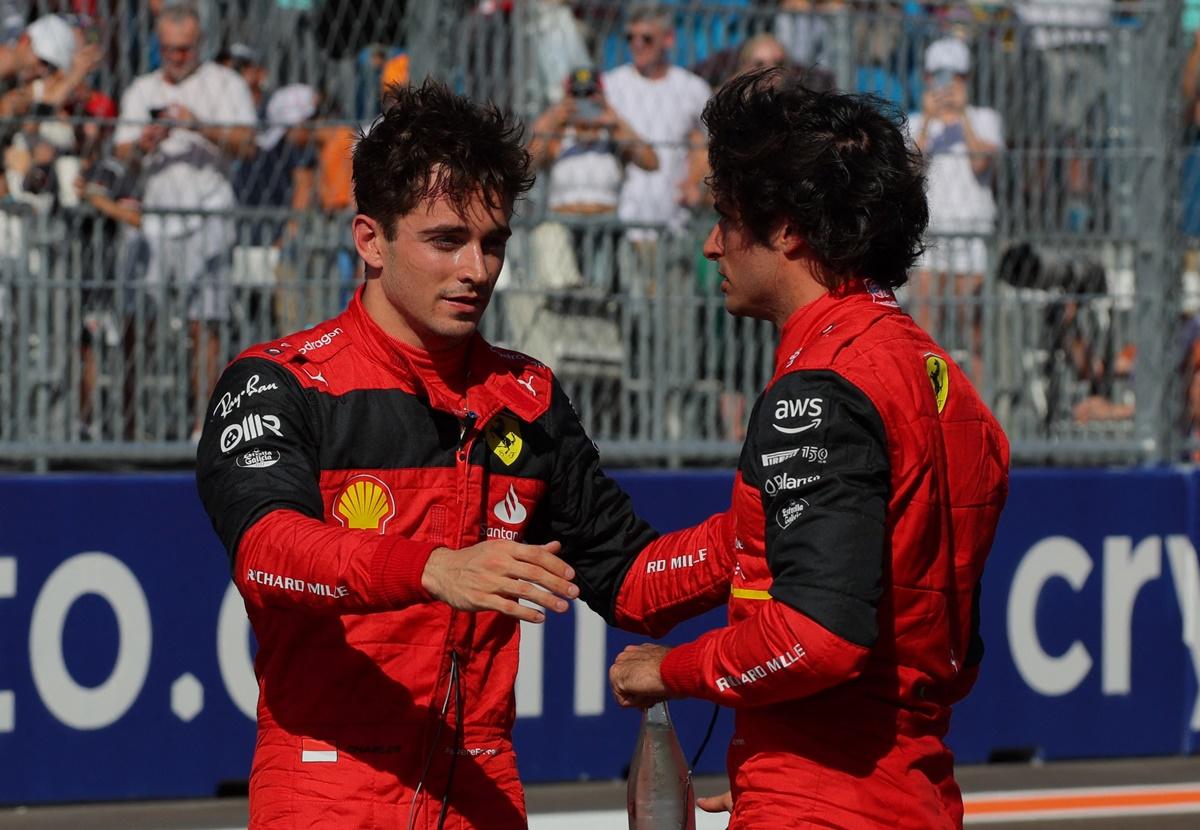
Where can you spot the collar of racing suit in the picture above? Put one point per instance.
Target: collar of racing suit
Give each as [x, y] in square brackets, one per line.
[812, 320]
[495, 379]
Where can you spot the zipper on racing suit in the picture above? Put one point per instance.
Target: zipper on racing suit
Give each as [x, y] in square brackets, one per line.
[469, 421]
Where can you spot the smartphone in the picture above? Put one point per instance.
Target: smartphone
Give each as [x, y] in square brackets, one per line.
[942, 79]
[588, 109]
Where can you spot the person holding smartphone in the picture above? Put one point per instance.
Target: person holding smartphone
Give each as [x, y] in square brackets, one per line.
[961, 143]
[184, 125]
[586, 147]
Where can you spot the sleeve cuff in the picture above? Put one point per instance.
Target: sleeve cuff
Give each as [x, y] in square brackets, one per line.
[396, 572]
[680, 670]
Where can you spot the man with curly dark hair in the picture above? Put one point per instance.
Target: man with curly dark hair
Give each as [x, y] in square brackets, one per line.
[389, 487]
[868, 490]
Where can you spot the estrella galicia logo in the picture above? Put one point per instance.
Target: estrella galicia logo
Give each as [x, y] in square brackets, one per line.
[791, 511]
[258, 459]
[787, 410]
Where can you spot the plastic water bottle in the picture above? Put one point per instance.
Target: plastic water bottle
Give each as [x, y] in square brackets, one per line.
[660, 793]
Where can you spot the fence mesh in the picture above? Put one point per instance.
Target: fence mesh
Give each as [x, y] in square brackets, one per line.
[151, 228]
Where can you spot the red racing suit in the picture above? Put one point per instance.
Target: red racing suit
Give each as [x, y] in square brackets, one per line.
[332, 463]
[865, 502]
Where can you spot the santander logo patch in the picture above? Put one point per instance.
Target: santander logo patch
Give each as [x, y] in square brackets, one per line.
[509, 509]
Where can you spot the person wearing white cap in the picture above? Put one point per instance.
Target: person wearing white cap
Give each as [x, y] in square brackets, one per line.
[960, 143]
[51, 47]
[52, 40]
[40, 162]
[51, 65]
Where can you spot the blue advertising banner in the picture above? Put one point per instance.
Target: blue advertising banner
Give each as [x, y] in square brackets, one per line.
[125, 659]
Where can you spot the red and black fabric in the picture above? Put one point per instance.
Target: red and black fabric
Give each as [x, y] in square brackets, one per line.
[332, 463]
[867, 496]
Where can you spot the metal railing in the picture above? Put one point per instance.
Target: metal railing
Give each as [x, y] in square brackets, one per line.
[1078, 327]
[107, 359]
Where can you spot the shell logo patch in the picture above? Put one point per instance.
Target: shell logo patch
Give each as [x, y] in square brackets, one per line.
[503, 437]
[365, 503]
[939, 378]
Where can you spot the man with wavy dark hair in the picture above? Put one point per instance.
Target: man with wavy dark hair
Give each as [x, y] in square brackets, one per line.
[867, 494]
[389, 487]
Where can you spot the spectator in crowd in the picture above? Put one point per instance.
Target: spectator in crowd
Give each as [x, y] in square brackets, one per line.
[50, 89]
[245, 60]
[961, 143]
[395, 72]
[12, 23]
[852, 596]
[206, 12]
[184, 124]
[662, 104]
[586, 147]
[1190, 89]
[866, 46]
[761, 52]
[1068, 105]
[288, 159]
[1070, 38]
[285, 147]
[560, 45]
[110, 250]
[39, 42]
[805, 28]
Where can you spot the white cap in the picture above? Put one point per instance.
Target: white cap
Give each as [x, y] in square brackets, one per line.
[244, 52]
[289, 105]
[949, 54]
[53, 40]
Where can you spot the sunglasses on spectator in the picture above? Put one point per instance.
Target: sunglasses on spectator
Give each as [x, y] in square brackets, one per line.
[640, 37]
[176, 50]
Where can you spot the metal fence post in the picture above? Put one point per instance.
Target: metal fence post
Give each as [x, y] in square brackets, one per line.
[421, 23]
[524, 101]
[1157, 261]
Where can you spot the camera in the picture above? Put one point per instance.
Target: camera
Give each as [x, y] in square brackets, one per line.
[157, 112]
[40, 179]
[103, 176]
[588, 109]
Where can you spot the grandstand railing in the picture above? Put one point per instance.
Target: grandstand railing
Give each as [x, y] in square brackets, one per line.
[1079, 331]
[101, 361]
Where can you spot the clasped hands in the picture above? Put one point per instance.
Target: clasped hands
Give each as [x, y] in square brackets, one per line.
[494, 574]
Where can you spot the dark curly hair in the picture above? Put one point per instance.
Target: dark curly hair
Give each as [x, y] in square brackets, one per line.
[836, 166]
[429, 143]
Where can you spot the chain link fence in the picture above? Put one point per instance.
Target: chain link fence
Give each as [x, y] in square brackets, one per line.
[1061, 272]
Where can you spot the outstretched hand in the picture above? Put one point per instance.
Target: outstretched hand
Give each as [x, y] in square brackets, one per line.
[494, 574]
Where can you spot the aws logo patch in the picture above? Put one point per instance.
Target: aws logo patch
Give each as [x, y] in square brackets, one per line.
[365, 503]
